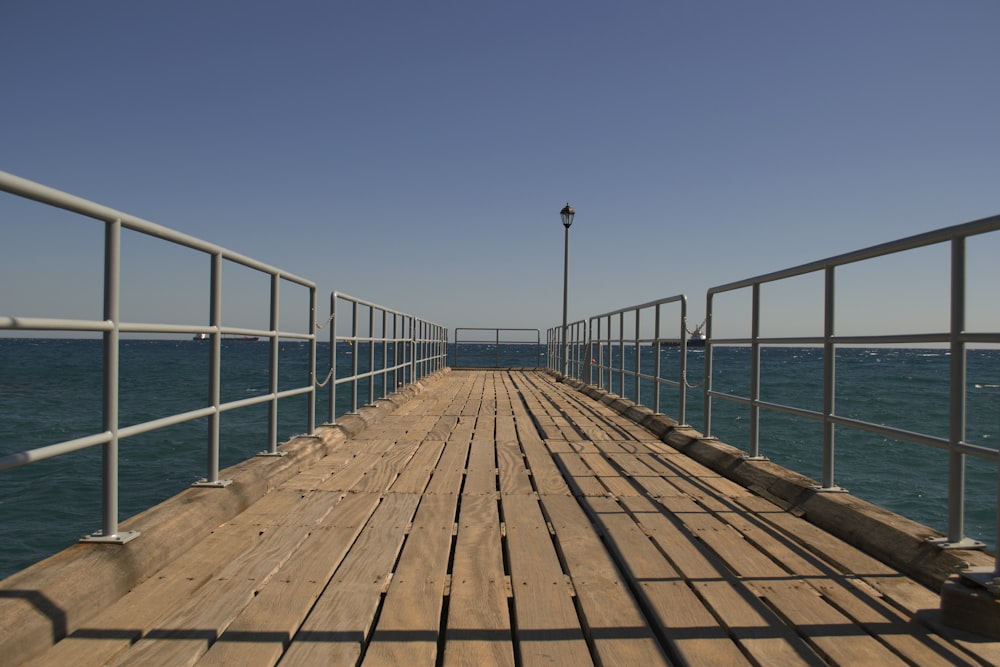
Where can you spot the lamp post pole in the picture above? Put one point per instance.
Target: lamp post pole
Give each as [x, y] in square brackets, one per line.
[567, 219]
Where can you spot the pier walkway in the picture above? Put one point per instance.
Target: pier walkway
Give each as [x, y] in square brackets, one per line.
[502, 518]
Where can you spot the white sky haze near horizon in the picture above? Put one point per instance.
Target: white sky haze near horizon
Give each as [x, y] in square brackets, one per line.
[417, 154]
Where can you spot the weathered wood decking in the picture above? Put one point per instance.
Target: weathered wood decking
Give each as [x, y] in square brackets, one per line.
[501, 518]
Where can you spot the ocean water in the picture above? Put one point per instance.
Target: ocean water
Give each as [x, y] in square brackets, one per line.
[50, 390]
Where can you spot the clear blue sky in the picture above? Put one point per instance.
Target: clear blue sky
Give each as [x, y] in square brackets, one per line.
[417, 154]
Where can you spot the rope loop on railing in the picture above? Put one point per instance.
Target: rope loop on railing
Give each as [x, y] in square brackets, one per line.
[326, 381]
[684, 379]
[321, 325]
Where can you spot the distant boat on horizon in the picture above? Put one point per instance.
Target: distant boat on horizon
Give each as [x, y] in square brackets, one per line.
[697, 338]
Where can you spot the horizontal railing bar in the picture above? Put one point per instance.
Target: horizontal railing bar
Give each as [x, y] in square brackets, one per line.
[288, 393]
[791, 410]
[53, 324]
[246, 402]
[46, 195]
[172, 420]
[978, 451]
[890, 431]
[41, 453]
[629, 309]
[917, 241]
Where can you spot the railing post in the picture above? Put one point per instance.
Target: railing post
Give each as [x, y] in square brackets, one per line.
[829, 379]
[214, 375]
[621, 354]
[371, 355]
[706, 414]
[333, 358]
[638, 358]
[657, 353]
[682, 399]
[272, 412]
[755, 374]
[311, 416]
[956, 430]
[112, 299]
[354, 356]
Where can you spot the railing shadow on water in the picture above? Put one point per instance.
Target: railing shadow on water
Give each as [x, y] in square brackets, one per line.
[903, 404]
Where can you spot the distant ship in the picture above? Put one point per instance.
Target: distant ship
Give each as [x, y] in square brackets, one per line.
[697, 338]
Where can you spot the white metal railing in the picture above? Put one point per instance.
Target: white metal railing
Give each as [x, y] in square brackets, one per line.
[112, 326]
[386, 349]
[609, 353]
[956, 337]
[608, 350]
[397, 349]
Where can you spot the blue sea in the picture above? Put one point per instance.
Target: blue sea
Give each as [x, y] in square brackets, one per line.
[50, 391]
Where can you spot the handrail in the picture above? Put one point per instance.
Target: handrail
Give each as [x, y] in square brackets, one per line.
[111, 327]
[609, 352]
[597, 347]
[402, 346]
[956, 337]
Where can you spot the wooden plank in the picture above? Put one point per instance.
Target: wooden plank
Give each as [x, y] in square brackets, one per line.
[481, 475]
[339, 623]
[315, 475]
[380, 476]
[262, 632]
[761, 633]
[686, 552]
[116, 628]
[442, 428]
[547, 628]
[610, 478]
[906, 636]
[188, 631]
[742, 557]
[478, 624]
[506, 430]
[345, 478]
[620, 633]
[514, 476]
[414, 478]
[447, 475]
[835, 635]
[407, 628]
[544, 472]
[686, 625]
[708, 481]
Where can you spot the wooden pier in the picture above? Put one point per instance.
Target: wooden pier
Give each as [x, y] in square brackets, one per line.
[493, 518]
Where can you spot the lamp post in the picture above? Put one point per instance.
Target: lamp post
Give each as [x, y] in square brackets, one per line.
[567, 219]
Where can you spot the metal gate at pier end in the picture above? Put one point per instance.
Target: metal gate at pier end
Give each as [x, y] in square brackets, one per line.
[111, 327]
[506, 348]
[376, 350]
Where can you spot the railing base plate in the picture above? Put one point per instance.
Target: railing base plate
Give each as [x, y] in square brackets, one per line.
[272, 453]
[217, 484]
[964, 543]
[829, 489]
[118, 538]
